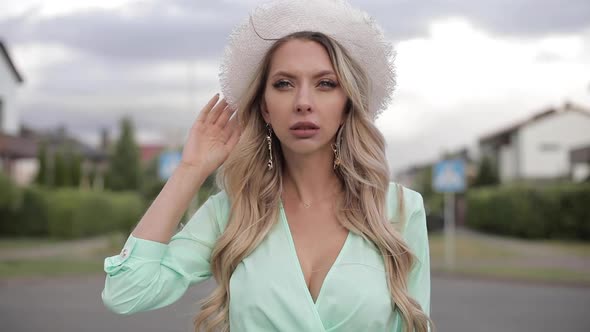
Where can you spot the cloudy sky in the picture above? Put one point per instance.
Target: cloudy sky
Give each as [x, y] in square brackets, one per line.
[465, 68]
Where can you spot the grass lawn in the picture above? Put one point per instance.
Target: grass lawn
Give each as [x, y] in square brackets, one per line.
[555, 275]
[49, 267]
[467, 248]
[25, 243]
[580, 249]
[515, 259]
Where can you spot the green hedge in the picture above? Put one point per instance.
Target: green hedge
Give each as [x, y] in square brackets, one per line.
[74, 213]
[557, 211]
[66, 213]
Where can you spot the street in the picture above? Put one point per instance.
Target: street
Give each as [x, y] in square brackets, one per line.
[74, 304]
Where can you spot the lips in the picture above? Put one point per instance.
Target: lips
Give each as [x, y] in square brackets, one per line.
[304, 125]
[304, 129]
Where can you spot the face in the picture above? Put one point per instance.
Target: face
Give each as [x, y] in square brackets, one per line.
[303, 100]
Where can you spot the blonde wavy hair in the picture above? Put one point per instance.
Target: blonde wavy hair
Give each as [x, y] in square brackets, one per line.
[254, 191]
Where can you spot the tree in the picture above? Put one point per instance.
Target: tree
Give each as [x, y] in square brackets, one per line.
[125, 170]
[486, 174]
[61, 170]
[75, 160]
[43, 173]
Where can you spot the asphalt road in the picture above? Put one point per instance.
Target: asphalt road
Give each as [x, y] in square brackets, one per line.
[74, 304]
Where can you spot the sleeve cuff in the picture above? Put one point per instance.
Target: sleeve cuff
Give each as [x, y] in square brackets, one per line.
[135, 248]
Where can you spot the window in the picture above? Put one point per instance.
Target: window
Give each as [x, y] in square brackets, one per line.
[549, 147]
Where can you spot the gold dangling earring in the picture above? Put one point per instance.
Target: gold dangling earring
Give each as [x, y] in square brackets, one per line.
[269, 141]
[336, 156]
[336, 148]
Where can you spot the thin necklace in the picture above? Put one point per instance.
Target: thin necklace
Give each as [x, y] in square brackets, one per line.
[307, 205]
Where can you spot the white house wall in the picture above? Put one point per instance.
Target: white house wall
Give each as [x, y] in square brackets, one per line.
[508, 162]
[25, 170]
[546, 143]
[8, 85]
[580, 172]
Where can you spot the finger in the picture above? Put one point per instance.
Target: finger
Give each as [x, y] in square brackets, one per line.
[216, 111]
[205, 111]
[225, 115]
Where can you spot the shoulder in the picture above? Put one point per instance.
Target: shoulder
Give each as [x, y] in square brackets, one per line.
[403, 204]
[411, 222]
[218, 205]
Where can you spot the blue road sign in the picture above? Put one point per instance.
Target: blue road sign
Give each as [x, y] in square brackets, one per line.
[167, 163]
[448, 176]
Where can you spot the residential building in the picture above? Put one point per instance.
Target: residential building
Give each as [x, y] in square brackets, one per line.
[10, 79]
[538, 148]
[580, 163]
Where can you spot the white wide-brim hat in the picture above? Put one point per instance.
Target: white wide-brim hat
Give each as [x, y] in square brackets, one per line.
[355, 30]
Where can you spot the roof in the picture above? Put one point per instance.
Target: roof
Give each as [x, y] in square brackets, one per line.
[15, 147]
[508, 130]
[4, 52]
[150, 151]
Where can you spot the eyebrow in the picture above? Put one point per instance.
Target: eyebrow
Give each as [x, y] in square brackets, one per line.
[289, 75]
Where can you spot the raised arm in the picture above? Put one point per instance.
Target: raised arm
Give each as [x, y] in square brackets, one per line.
[156, 266]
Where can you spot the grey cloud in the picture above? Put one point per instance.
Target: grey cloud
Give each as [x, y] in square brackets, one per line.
[155, 30]
[152, 33]
[90, 118]
[528, 18]
[92, 77]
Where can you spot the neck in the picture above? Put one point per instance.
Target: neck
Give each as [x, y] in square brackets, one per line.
[311, 176]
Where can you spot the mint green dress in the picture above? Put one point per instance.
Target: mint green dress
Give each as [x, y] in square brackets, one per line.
[268, 290]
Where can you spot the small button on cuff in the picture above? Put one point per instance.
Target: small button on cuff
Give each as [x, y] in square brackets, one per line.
[124, 253]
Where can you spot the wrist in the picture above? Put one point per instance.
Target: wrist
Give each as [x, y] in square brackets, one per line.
[193, 173]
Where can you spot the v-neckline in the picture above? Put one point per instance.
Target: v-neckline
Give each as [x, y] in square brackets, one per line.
[291, 241]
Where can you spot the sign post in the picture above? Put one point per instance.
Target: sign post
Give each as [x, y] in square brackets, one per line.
[449, 178]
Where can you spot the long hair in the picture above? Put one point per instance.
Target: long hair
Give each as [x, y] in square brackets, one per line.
[254, 191]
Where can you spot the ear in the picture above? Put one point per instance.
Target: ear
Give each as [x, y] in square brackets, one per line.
[264, 111]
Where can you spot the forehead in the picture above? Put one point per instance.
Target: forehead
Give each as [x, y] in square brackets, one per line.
[300, 56]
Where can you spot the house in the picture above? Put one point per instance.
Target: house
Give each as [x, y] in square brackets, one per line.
[148, 152]
[580, 163]
[18, 154]
[10, 79]
[538, 148]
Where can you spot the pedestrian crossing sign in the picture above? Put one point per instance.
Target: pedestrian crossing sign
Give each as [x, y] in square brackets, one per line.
[449, 176]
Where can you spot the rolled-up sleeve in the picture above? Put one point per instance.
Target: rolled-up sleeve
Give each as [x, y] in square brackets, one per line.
[148, 275]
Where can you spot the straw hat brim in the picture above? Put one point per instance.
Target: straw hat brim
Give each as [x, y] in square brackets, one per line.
[355, 30]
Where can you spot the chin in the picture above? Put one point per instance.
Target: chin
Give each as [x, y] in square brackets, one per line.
[304, 147]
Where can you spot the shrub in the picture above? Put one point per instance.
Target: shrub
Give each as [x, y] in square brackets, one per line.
[66, 212]
[556, 211]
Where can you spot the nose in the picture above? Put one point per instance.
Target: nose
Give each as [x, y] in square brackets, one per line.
[303, 108]
[303, 102]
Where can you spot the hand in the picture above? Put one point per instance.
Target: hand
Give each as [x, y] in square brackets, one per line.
[211, 137]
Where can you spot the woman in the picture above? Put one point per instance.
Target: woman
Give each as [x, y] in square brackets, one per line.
[308, 234]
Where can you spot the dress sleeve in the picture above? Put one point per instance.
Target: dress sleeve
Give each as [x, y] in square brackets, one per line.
[416, 236]
[148, 275]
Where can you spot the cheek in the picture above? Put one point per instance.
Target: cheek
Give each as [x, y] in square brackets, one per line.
[336, 105]
[276, 104]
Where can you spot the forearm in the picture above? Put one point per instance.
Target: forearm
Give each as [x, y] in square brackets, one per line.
[161, 219]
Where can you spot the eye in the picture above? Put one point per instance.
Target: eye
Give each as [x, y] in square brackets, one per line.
[327, 84]
[282, 84]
